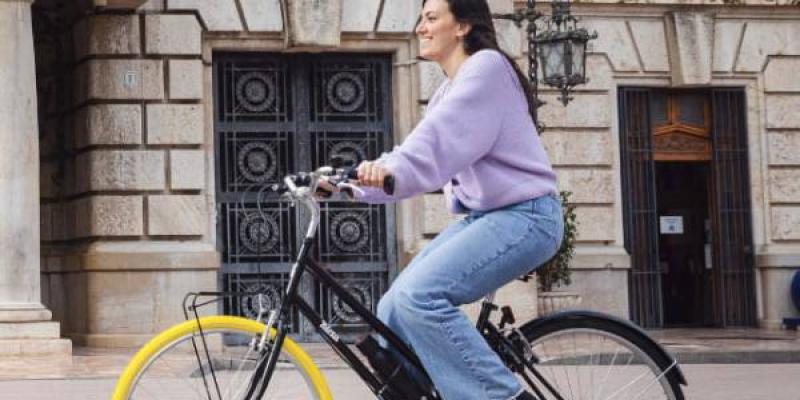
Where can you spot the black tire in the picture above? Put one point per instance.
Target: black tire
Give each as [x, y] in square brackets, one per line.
[574, 347]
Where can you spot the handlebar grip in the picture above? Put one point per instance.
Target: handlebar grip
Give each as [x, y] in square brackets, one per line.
[388, 185]
[388, 182]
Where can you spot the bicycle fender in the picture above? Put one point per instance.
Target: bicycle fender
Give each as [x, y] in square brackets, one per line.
[665, 360]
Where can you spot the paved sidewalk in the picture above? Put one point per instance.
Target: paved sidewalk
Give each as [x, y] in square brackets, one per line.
[730, 346]
[706, 382]
[720, 364]
[689, 346]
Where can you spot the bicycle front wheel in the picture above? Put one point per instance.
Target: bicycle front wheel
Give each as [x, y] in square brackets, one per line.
[594, 358]
[168, 367]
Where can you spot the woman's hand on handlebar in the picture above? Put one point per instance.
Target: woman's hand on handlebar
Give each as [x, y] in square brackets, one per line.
[372, 174]
[325, 189]
[350, 180]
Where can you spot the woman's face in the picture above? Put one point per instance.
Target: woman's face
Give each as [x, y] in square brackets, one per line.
[438, 31]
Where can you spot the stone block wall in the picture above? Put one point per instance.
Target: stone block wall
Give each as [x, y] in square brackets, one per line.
[769, 49]
[131, 177]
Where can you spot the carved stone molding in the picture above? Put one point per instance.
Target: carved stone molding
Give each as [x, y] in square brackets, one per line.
[691, 45]
[312, 22]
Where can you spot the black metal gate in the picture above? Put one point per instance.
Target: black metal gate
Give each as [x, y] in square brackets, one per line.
[276, 114]
[639, 206]
[730, 211]
[732, 234]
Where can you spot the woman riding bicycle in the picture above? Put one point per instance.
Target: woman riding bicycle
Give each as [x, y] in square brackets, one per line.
[479, 141]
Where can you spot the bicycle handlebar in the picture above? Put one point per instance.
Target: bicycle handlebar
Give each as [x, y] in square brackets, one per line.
[294, 183]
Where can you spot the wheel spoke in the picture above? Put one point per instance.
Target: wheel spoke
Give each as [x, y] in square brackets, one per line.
[591, 362]
[172, 371]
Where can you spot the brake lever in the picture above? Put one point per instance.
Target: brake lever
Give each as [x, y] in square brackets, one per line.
[354, 191]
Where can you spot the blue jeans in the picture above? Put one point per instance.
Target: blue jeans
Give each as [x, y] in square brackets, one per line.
[468, 260]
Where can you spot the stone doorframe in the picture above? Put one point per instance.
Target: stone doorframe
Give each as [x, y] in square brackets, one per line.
[757, 152]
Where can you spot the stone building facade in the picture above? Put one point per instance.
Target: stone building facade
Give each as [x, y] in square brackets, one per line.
[126, 189]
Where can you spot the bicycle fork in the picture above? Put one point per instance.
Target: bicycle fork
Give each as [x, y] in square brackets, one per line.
[269, 350]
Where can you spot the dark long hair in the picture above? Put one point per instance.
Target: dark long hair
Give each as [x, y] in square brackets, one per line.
[476, 13]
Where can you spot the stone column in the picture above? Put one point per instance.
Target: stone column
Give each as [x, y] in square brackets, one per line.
[24, 321]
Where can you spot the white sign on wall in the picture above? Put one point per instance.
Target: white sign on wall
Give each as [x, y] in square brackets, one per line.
[671, 225]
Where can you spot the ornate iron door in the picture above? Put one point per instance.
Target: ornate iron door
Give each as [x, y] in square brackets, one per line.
[639, 205]
[276, 114]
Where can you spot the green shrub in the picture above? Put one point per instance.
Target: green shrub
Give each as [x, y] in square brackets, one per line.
[556, 271]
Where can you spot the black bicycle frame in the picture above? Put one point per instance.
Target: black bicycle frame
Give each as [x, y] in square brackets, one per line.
[266, 366]
[267, 361]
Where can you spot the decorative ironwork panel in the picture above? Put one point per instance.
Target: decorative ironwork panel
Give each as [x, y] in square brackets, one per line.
[253, 89]
[732, 236]
[251, 160]
[347, 90]
[639, 204]
[351, 233]
[276, 114]
[350, 117]
[366, 287]
[267, 289]
[254, 233]
[354, 147]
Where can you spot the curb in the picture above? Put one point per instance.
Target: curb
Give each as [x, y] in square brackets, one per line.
[738, 357]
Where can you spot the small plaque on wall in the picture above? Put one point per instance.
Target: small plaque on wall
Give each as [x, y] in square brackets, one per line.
[671, 225]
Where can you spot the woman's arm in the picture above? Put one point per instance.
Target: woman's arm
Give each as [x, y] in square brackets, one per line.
[460, 130]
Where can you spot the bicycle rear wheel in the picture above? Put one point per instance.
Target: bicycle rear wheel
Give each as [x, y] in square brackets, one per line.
[168, 367]
[591, 358]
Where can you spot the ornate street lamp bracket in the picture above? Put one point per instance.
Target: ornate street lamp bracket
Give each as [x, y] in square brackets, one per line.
[560, 48]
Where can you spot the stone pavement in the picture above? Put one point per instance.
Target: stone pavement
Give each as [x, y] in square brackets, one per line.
[706, 382]
[91, 373]
[730, 346]
[689, 346]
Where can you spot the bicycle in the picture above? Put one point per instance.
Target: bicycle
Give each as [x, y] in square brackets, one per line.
[567, 356]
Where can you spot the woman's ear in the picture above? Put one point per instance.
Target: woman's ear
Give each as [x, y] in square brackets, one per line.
[463, 30]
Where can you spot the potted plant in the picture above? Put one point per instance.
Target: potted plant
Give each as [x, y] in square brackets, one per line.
[556, 272]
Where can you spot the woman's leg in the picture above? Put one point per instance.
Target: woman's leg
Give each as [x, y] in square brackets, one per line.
[451, 230]
[422, 305]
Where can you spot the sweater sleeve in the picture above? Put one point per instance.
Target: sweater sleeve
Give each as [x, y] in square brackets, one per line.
[460, 130]
[377, 195]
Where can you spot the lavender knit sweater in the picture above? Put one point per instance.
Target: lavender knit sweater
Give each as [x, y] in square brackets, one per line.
[477, 133]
